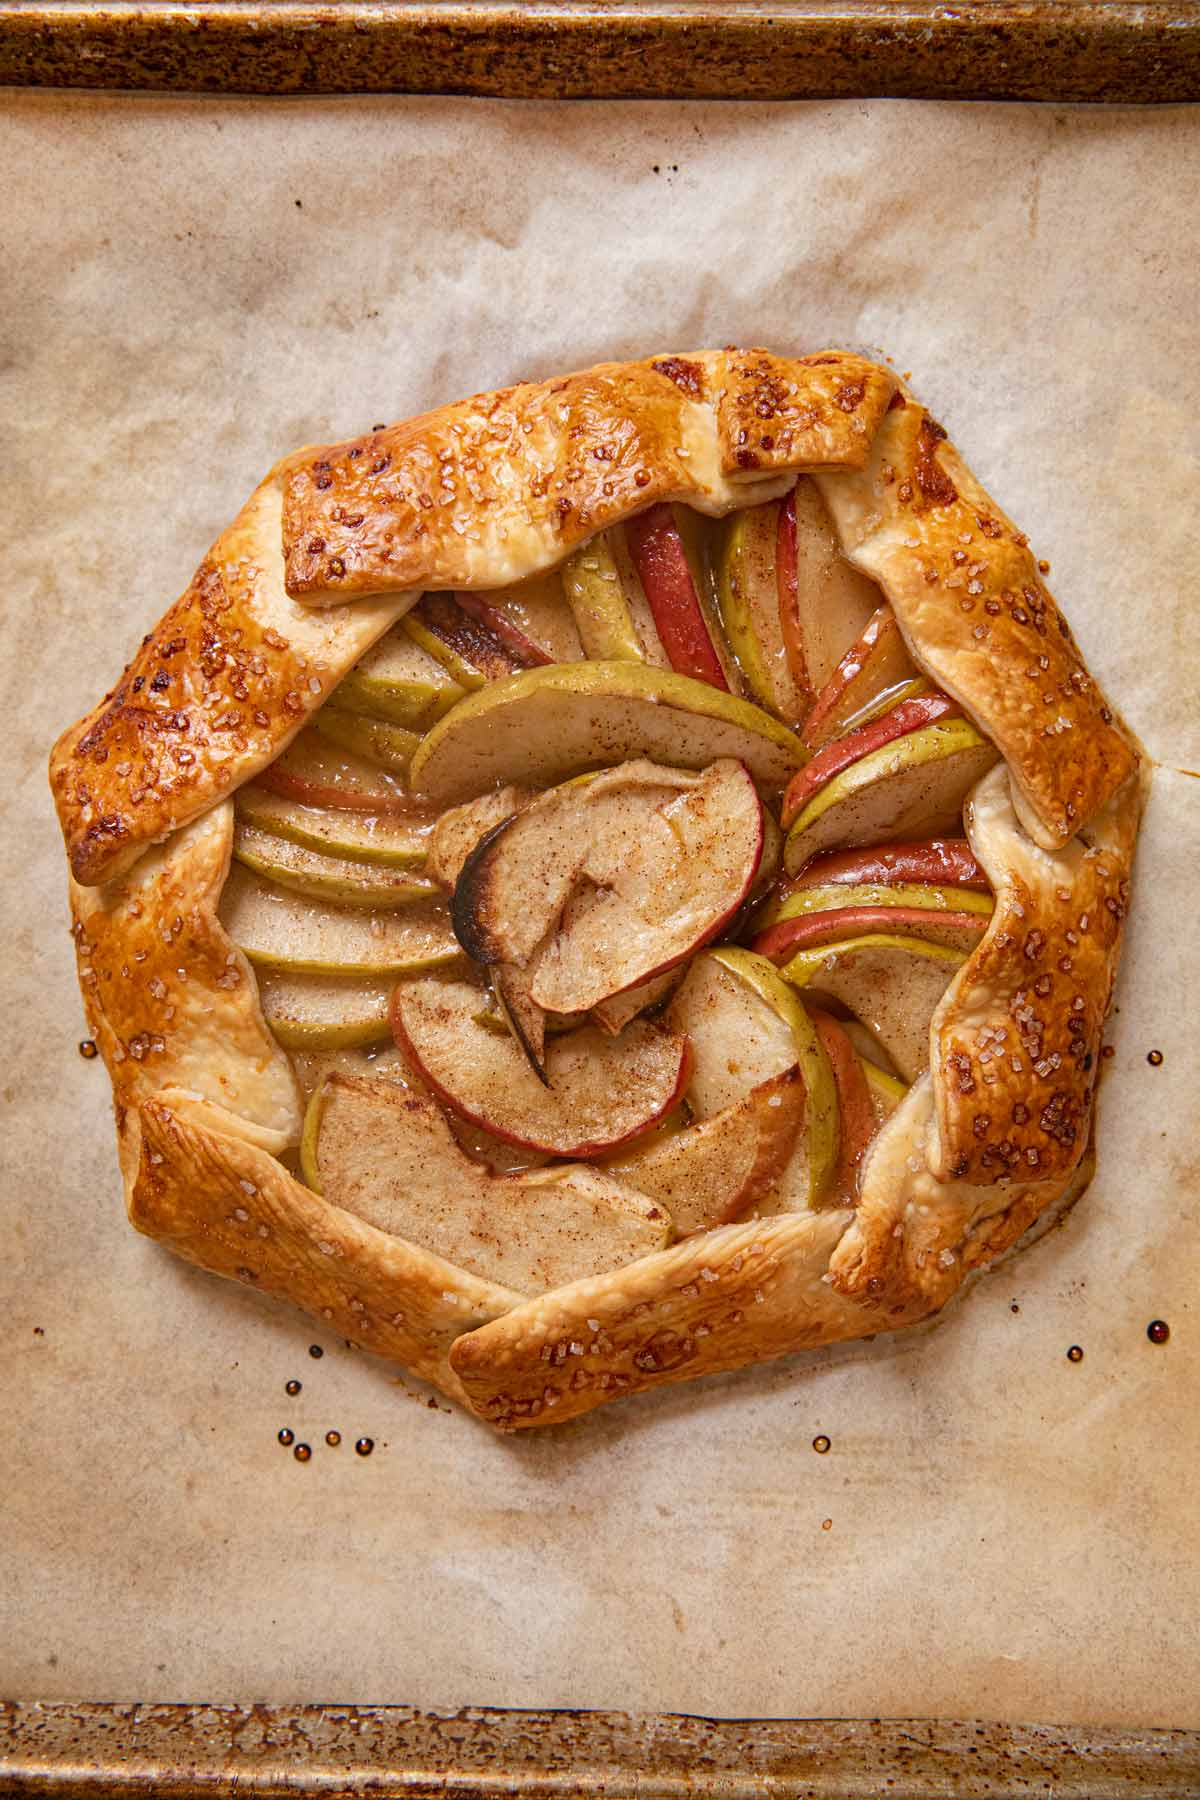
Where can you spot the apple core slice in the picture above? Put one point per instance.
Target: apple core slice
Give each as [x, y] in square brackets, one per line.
[917, 782]
[278, 930]
[600, 1093]
[893, 984]
[393, 841]
[324, 877]
[388, 1157]
[710, 1173]
[537, 727]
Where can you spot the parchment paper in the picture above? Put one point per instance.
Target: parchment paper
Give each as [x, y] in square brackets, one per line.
[191, 288]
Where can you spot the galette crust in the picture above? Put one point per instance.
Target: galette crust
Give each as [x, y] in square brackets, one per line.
[330, 550]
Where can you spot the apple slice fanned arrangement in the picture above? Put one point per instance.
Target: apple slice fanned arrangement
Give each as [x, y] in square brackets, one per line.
[614, 906]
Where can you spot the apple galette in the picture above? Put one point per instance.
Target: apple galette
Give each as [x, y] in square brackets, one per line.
[613, 880]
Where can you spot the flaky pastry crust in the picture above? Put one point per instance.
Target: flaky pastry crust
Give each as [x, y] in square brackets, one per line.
[332, 548]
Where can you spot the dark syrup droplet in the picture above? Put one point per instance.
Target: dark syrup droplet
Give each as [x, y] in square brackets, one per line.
[315, 1350]
[333, 1439]
[1158, 1331]
[821, 1444]
[302, 1452]
[286, 1437]
[1154, 1058]
[1075, 1354]
[292, 1387]
[87, 1049]
[364, 1446]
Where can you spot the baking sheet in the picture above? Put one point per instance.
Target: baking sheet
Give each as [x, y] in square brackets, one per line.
[191, 288]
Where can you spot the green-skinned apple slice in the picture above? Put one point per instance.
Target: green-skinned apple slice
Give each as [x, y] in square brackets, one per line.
[824, 603]
[601, 1091]
[611, 881]
[599, 604]
[746, 1026]
[837, 895]
[395, 841]
[910, 715]
[747, 567]
[712, 1172]
[537, 727]
[793, 1190]
[885, 1091]
[892, 982]
[317, 773]
[532, 618]
[322, 877]
[936, 862]
[956, 930]
[325, 1012]
[369, 1060]
[278, 930]
[390, 1158]
[400, 681]
[915, 783]
[667, 548]
[466, 644]
[877, 664]
[376, 741]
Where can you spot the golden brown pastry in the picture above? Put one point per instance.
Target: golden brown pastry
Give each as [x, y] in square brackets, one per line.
[336, 546]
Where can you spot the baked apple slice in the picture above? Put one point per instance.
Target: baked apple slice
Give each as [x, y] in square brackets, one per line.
[470, 649]
[601, 884]
[824, 603]
[599, 1093]
[915, 782]
[885, 1091]
[876, 666]
[394, 840]
[746, 1026]
[389, 1157]
[318, 773]
[795, 1190]
[530, 618]
[933, 862]
[322, 877]
[612, 1015]
[749, 598]
[956, 930]
[324, 1012]
[376, 741]
[601, 605]
[460, 828]
[545, 724]
[278, 930]
[400, 681]
[892, 982]
[712, 1172]
[666, 547]
[908, 716]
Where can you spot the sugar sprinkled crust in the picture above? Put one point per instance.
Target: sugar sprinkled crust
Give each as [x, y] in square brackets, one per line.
[331, 549]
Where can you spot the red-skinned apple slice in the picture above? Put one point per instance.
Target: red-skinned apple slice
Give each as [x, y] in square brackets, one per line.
[601, 1091]
[710, 1173]
[916, 782]
[319, 774]
[957, 930]
[673, 588]
[910, 715]
[824, 604]
[936, 862]
[525, 654]
[892, 982]
[613, 880]
[531, 617]
[793, 1189]
[467, 647]
[876, 663]
[388, 1156]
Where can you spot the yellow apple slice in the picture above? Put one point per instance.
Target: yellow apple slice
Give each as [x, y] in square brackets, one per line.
[712, 1172]
[324, 1012]
[599, 1091]
[537, 727]
[914, 784]
[389, 1158]
[597, 597]
[892, 983]
[394, 841]
[377, 741]
[322, 877]
[278, 930]
[833, 896]
[400, 681]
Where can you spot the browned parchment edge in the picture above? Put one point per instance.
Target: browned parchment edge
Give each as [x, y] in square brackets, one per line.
[1065, 50]
[184, 1751]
